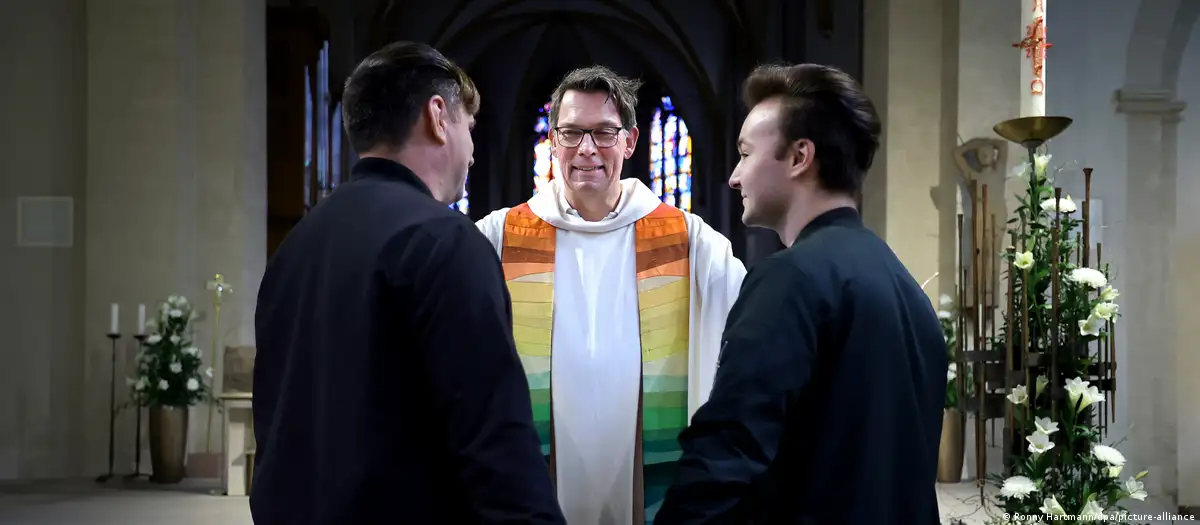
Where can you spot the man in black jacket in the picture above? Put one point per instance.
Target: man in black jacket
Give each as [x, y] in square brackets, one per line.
[387, 387]
[827, 402]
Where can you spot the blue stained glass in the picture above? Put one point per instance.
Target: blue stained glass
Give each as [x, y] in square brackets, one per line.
[544, 166]
[670, 157]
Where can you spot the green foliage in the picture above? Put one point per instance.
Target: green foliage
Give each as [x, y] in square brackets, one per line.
[1062, 468]
[169, 367]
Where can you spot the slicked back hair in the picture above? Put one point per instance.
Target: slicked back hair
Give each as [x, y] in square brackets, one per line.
[599, 79]
[827, 106]
[386, 93]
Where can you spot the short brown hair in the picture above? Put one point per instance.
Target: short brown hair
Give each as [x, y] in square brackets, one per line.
[383, 97]
[600, 79]
[827, 106]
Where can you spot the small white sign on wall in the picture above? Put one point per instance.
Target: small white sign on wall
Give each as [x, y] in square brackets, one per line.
[45, 222]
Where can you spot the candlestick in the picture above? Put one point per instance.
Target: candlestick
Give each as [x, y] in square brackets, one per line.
[137, 405]
[112, 401]
[141, 320]
[219, 287]
[114, 327]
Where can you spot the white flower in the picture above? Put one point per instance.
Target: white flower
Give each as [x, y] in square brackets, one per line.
[192, 384]
[175, 339]
[1040, 163]
[176, 367]
[175, 312]
[1018, 396]
[1017, 487]
[1051, 507]
[208, 372]
[1065, 205]
[154, 339]
[1135, 489]
[1109, 294]
[1091, 277]
[1079, 392]
[1045, 425]
[1091, 511]
[942, 314]
[191, 350]
[1091, 326]
[1108, 455]
[163, 384]
[1115, 472]
[1023, 260]
[945, 300]
[1104, 310]
[1040, 385]
[141, 384]
[951, 372]
[172, 299]
[152, 325]
[1039, 443]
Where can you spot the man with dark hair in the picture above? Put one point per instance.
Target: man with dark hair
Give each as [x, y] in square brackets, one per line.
[387, 388]
[827, 406]
[622, 296]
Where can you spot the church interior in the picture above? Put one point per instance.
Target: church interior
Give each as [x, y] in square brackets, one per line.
[160, 148]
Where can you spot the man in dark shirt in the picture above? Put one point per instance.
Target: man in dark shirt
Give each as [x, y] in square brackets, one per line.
[387, 387]
[827, 402]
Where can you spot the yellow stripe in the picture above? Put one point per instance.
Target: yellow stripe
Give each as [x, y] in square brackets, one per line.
[674, 348]
[533, 349]
[663, 294]
[542, 309]
[525, 334]
[527, 292]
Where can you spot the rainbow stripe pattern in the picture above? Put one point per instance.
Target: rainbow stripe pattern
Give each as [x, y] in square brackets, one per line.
[664, 301]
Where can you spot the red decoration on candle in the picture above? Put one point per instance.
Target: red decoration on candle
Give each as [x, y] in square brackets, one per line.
[1035, 46]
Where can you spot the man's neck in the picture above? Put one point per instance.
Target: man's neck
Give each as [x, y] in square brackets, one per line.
[416, 162]
[802, 213]
[594, 207]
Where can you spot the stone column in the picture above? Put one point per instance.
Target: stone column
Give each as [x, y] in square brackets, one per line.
[910, 71]
[175, 178]
[1148, 364]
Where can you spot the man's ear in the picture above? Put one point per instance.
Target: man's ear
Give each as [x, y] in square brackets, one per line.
[437, 119]
[631, 142]
[801, 154]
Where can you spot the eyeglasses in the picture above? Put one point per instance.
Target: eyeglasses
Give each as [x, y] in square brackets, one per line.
[602, 137]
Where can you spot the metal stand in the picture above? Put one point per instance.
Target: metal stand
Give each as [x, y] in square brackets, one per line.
[112, 410]
[137, 447]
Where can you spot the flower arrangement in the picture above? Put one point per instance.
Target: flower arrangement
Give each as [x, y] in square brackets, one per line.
[1061, 312]
[168, 366]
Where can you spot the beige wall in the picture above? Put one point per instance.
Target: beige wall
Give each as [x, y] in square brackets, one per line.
[42, 153]
[151, 114]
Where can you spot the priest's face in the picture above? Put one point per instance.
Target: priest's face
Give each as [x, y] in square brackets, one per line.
[763, 175]
[589, 142]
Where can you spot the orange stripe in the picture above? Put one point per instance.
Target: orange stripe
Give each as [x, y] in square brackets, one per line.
[677, 268]
[514, 270]
[651, 243]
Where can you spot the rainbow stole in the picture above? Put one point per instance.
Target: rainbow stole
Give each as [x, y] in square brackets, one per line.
[661, 240]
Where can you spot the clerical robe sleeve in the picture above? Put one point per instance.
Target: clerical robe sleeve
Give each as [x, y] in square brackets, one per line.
[478, 390]
[767, 353]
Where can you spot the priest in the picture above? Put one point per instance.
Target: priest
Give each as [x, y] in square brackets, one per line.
[618, 305]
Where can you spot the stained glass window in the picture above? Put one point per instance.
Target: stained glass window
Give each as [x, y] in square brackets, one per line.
[545, 168]
[670, 157]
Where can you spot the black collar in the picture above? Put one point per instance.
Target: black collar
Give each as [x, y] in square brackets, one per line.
[389, 169]
[844, 216]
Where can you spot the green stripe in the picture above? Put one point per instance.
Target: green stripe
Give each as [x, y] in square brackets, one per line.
[657, 478]
[539, 381]
[664, 383]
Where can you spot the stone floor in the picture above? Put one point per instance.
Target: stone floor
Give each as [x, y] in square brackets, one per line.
[198, 503]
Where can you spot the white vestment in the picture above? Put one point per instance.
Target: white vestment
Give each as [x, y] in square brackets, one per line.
[596, 346]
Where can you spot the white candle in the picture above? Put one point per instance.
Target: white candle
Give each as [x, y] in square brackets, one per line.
[141, 319]
[1032, 47]
[113, 324]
